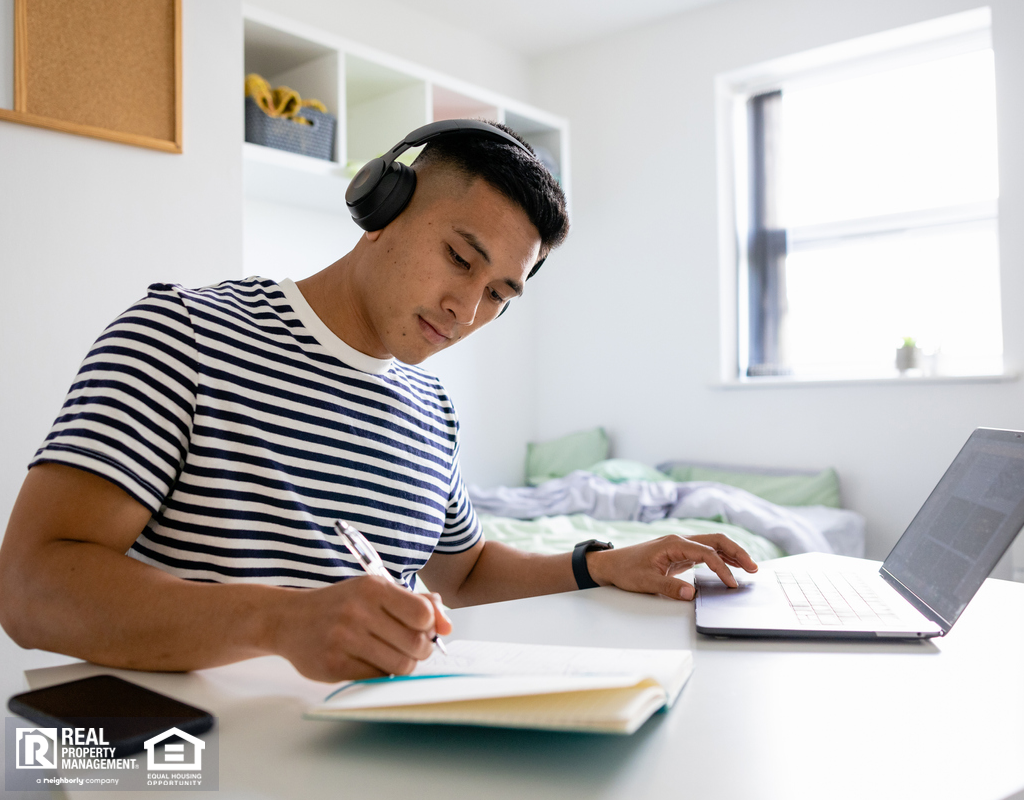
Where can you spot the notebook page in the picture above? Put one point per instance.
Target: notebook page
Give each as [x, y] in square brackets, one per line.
[669, 668]
[412, 692]
[620, 710]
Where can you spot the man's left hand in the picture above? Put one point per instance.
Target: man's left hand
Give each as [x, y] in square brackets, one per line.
[650, 567]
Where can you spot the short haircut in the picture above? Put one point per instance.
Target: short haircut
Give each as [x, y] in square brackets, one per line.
[516, 174]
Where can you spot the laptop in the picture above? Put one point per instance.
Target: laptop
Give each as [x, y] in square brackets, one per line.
[964, 527]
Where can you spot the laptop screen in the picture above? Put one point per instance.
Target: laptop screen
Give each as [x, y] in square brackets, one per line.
[965, 525]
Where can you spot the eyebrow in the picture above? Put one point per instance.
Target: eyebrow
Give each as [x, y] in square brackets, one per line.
[473, 242]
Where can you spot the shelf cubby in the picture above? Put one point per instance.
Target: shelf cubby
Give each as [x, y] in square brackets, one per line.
[449, 104]
[377, 99]
[382, 105]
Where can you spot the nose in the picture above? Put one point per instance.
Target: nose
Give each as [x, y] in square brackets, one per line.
[462, 303]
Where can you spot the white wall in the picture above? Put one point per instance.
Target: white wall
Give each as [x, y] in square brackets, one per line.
[630, 310]
[283, 241]
[490, 377]
[86, 225]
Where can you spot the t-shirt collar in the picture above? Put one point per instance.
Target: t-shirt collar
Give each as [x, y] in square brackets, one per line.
[327, 338]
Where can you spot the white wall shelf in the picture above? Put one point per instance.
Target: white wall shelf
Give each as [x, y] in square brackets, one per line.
[277, 176]
[377, 98]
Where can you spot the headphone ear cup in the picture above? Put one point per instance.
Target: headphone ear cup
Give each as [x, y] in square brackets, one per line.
[374, 205]
[364, 182]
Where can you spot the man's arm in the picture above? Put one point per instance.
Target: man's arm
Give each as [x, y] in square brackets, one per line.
[66, 585]
[491, 572]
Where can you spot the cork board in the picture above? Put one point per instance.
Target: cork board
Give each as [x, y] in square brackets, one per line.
[104, 68]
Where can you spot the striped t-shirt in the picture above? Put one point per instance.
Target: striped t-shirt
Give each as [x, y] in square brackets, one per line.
[247, 428]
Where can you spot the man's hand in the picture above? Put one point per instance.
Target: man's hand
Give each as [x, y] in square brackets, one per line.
[650, 567]
[358, 628]
[67, 586]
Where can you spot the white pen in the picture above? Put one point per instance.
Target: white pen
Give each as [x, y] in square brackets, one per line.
[369, 559]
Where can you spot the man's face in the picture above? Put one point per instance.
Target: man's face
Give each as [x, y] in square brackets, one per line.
[445, 267]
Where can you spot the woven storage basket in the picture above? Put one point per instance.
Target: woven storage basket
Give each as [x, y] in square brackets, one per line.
[316, 140]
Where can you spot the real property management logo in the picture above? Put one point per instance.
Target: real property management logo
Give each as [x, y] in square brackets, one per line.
[36, 748]
[47, 759]
[71, 748]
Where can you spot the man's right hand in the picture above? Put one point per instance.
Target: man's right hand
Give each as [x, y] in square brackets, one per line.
[67, 586]
[358, 628]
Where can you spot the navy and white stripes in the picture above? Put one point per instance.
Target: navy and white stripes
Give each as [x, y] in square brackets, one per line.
[247, 427]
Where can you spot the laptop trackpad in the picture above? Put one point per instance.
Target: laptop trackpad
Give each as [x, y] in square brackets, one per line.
[754, 589]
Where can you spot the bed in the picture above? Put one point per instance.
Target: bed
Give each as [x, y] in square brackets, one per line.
[770, 512]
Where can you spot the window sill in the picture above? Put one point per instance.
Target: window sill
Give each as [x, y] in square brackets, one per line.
[775, 382]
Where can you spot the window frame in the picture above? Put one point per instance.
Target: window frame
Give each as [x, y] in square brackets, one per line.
[739, 212]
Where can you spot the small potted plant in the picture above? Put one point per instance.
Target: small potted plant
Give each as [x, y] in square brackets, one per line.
[909, 355]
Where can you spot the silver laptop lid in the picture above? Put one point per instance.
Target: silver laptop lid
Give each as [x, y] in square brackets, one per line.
[964, 527]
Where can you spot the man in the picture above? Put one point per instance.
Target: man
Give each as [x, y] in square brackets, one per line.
[179, 514]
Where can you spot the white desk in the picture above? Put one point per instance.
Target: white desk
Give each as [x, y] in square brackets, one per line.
[758, 719]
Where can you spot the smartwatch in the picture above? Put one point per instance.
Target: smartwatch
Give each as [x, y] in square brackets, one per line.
[579, 561]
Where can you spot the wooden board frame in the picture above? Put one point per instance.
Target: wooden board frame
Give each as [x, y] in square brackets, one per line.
[21, 115]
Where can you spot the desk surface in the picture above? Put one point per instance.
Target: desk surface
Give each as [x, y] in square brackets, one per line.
[758, 719]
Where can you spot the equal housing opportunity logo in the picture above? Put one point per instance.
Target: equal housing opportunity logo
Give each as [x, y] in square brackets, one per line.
[44, 759]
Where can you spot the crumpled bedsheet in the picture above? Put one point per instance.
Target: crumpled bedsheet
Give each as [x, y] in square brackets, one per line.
[645, 501]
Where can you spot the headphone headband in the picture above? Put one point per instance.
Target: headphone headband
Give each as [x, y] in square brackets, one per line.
[382, 189]
[448, 127]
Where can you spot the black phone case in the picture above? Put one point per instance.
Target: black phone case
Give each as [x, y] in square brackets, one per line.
[129, 712]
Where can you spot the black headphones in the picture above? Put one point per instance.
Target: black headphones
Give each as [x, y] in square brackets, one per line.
[382, 189]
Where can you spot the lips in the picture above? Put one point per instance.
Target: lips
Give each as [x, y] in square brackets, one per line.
[434, 336]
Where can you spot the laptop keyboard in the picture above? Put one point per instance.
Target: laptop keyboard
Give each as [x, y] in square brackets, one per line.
[834, 599]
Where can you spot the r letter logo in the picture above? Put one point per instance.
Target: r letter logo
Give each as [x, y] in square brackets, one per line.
[37, 748]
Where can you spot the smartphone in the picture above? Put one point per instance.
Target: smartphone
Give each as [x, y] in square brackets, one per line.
[126, 713]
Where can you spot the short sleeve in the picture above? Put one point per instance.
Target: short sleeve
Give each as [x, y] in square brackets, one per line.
[128, 415]
[462, 529]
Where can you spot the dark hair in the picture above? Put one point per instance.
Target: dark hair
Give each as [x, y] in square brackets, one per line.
[518, 175]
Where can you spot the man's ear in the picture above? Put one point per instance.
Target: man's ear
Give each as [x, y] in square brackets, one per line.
[373, 236]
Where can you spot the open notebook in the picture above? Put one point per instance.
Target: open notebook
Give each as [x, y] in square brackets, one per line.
[498, 684]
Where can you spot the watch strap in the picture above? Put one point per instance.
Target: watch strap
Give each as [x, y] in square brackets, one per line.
[579, 561]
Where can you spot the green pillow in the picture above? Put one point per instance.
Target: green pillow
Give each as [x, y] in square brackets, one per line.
[620, 470]
[558, 457]
[806, 489]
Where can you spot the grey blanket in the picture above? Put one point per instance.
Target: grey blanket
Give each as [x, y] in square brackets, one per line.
[645, 501]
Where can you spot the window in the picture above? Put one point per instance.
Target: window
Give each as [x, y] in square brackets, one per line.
[864, 184]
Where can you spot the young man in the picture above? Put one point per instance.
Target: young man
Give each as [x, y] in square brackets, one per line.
[180, 513]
